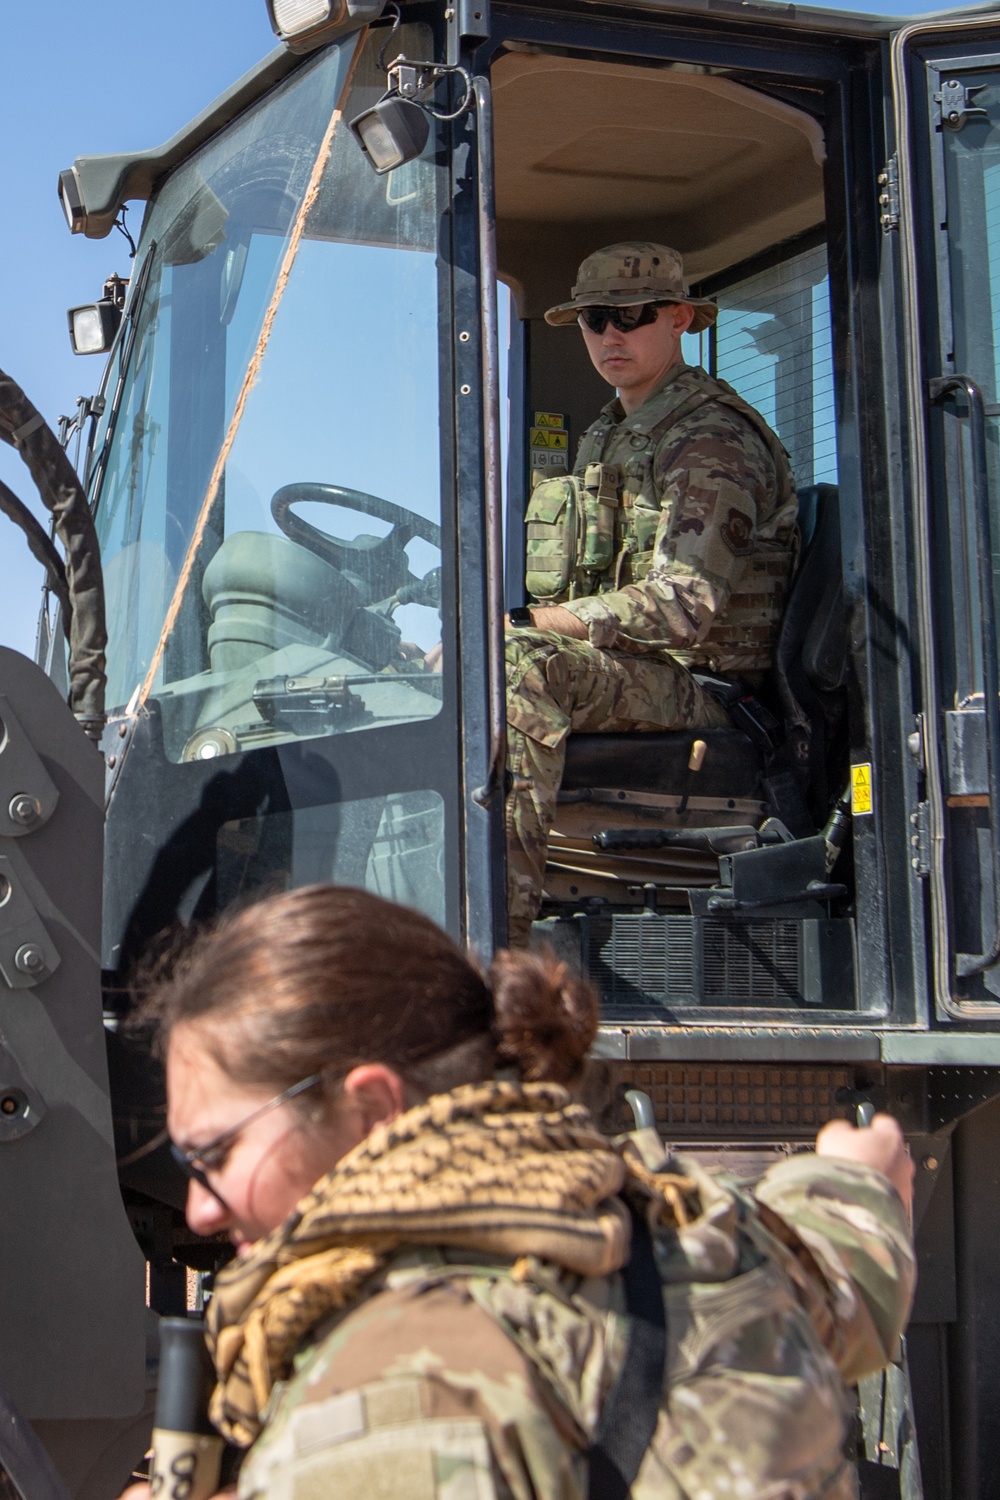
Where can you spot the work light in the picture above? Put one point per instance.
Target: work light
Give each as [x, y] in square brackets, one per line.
[391, 133]
[92, 328]
[297, 20]
[72, 201]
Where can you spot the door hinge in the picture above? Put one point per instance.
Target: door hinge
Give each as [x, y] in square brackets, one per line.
[956, 104]
[920, 840]
[888, 198]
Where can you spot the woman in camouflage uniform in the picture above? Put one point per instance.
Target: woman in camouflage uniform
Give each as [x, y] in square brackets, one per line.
[428, 1297]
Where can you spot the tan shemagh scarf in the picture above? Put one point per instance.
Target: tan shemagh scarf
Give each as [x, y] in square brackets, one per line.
[505, 1168]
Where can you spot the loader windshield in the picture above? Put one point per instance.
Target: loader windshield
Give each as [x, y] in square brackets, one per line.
[268, 483]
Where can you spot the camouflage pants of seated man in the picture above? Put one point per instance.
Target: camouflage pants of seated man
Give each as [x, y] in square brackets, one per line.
[554, 685]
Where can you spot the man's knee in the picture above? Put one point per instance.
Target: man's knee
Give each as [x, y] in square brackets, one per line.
[528, 645]
[540, 680]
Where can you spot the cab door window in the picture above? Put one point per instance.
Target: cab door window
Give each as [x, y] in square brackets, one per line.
[962, 111]
[270, 497]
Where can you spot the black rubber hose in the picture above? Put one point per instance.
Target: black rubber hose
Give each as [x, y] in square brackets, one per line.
[23, 427]
[27, 1464]
[39, 546]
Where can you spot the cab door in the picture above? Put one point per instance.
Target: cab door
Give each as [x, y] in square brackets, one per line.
[946, 97]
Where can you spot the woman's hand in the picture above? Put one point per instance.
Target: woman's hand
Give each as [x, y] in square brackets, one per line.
[142, 1492]
[879, 1145]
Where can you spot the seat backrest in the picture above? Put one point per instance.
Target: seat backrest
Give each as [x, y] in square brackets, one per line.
[813, 637]
[810, 667]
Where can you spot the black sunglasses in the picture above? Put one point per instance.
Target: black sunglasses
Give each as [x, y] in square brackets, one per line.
[622, 318]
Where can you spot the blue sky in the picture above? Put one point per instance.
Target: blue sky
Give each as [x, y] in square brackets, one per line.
[90, 78]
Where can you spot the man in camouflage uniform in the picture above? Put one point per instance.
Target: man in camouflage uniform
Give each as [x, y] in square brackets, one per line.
[685, 546]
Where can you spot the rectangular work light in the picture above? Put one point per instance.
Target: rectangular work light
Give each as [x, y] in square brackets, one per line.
[92, 328]
[72, 201]
[298, 20]
[305, 24]
[393, 132]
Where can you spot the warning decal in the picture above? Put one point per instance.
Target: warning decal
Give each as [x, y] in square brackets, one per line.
[861, 789]
[545, 437]
[548, 442]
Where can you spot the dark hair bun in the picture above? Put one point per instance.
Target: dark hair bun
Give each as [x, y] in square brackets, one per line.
[546, 1015]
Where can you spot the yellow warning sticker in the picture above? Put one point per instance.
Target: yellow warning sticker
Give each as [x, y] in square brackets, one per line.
[861, 789]
[544, 437]
[553, 419]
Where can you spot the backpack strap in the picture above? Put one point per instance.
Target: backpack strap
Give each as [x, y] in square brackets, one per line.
[632, 1406]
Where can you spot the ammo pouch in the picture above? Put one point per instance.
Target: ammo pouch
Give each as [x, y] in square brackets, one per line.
[571, 532]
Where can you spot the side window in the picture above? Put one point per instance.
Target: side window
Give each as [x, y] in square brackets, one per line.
[772, 342]
[970, 337]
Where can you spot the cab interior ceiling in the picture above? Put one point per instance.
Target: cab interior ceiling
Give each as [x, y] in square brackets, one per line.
[588, 152]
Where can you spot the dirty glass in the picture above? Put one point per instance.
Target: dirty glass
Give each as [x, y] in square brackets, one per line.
[269, 490]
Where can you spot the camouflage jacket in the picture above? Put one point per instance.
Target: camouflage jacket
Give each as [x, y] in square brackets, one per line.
[706, 527]
[466, 1377]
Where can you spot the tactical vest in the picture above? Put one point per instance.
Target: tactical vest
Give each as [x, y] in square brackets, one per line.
[594, 531]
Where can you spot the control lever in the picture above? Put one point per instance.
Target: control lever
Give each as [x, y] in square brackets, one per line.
[710, 840]
[838, 827]
[735, 839]
[696, 760]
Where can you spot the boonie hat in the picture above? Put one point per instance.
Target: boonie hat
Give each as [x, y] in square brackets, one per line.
[627, 275]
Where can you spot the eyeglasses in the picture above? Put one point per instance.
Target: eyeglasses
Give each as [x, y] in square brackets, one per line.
[200, 1160]
[625, 319]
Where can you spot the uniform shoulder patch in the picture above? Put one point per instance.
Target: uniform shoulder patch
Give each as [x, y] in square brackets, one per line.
[737, 532]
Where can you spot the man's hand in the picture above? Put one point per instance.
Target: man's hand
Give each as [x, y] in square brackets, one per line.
[879, 1145]
[553, 617]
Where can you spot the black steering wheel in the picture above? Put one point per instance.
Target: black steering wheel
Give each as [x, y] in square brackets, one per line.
[378, 567]
[345, 554]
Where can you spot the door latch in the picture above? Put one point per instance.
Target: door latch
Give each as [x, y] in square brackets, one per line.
[956, 104]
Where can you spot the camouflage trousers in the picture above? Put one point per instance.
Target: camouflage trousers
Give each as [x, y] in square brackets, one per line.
[554, 685]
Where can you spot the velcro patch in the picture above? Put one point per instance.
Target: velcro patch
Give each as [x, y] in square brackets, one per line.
[737, 532]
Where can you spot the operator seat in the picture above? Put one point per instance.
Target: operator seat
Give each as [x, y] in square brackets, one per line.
[805, 691]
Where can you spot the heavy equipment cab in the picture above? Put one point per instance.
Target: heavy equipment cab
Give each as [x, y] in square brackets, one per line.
[309, 486]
